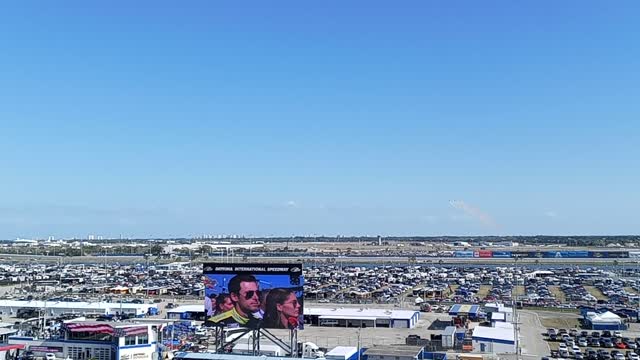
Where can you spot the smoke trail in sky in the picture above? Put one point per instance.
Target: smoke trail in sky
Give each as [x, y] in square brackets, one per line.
[475, 213]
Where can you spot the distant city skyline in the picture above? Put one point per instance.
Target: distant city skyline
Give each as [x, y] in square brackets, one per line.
[420, 118]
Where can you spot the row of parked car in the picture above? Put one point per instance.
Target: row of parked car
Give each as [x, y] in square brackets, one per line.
[571, 342]
[600, 354]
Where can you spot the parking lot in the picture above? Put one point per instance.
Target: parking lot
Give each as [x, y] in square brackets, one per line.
[593, 344]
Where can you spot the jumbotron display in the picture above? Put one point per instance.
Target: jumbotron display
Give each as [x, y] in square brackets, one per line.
[253, 295]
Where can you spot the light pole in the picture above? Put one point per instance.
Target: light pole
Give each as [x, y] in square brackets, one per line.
[515, 310]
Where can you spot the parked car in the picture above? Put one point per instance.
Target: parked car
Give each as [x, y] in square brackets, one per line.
[606, 342]
[574, 350]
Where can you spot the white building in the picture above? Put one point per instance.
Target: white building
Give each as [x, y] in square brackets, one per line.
[186, 312]
[402, 352]
[499, 312]
[496, 340]
[25, 242]
[354, 317]
[52, 308]
[98, 340]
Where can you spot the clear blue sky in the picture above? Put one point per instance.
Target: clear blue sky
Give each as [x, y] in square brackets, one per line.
[333, 117]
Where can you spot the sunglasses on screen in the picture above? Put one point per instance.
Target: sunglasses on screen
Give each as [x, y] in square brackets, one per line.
[249, 294]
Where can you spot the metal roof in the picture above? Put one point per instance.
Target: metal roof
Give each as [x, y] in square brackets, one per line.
[342, 351]
[187, 308]
[214, 356]
[343, 317]
[459, 309]
[73, 305]
[493, 333]
[449, 331]
[391, 350]
[356, 313]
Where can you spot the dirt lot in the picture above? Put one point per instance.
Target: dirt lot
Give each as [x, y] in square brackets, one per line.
[559, 322]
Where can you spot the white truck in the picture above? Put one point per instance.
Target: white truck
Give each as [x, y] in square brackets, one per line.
[310, 350]
[247, 349]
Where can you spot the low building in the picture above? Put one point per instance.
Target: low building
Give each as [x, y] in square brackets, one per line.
[364, 317]
[6, 330]
[54, 308]
[470, 312]
[449, 337]
[497, 340]
[497, 316]
[342, 353]
[187, 312]
[98, 340]
[397, 352]
[499, 312]
[216, 356]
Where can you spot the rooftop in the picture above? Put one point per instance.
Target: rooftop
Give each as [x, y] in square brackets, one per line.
[394, 350]
[341, 351]
[504, 333]
[363, 313]
[187, 308]
[72, 305]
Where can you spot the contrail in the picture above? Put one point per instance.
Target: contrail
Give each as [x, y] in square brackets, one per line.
[476, 213]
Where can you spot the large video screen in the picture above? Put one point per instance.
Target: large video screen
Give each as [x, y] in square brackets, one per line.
[253, 295]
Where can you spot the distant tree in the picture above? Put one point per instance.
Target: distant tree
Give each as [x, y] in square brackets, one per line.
[205, 249]
[156, 249]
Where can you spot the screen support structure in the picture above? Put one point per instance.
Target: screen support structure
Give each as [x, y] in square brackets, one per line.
[224, 346]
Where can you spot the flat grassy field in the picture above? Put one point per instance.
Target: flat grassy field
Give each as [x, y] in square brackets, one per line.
[484, 291]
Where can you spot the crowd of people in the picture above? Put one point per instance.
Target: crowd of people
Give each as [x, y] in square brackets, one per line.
[246, 306]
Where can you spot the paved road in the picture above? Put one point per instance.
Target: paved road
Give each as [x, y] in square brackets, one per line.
[531, 330]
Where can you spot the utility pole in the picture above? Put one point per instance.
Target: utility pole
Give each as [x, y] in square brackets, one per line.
[358, 347]
[515, 312]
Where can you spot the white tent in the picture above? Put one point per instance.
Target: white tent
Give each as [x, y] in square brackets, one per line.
[604, 321]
